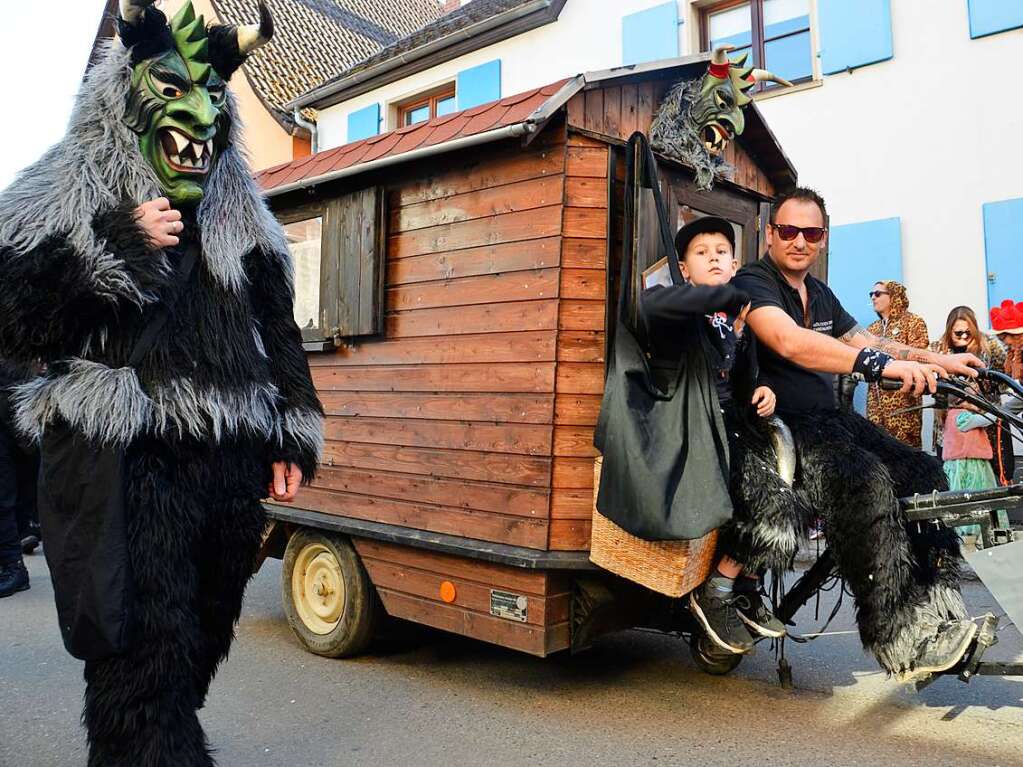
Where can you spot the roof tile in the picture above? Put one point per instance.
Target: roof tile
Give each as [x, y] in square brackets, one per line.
[380, 148]
[485, 120]
[316, 39]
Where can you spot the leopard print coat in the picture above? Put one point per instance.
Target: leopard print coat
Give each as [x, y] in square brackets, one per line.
[883, 406]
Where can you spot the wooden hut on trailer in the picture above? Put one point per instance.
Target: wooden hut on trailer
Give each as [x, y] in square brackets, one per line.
[452, 282]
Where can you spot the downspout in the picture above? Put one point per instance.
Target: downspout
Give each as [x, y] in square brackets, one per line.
[301, 122]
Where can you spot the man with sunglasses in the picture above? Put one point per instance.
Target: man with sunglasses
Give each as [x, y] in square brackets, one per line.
[906, 583]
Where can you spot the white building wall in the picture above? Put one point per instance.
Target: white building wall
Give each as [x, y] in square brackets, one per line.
[928, 136]
[587, 36]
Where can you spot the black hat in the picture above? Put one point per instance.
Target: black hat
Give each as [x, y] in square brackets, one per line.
[705, 225]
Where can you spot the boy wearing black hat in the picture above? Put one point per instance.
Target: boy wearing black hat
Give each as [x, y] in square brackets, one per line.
[729, 607]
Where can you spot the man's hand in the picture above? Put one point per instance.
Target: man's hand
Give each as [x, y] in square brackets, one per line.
[764, 400]
[958, 364]
[160, 222]
[287, 478]
[916, 377]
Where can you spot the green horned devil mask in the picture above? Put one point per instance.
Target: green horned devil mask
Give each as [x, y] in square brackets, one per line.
[717, 111]
[178, 90]
[700, 116]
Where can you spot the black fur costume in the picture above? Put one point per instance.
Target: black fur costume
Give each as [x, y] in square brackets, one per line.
[225, 392]
[905, 579]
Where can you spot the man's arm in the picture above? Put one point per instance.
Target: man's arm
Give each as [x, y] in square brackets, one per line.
[816, 351]
[960, 364]
[802, 346]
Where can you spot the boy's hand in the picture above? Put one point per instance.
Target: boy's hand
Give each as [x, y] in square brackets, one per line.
[764, 401]
[160, 222]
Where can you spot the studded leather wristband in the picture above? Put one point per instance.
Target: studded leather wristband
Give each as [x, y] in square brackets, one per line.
[870, 364]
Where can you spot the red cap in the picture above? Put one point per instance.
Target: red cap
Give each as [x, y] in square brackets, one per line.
[1008, 317]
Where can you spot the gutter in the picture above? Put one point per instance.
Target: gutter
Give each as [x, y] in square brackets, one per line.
[508, 131]
[440, 43]
[301, 122]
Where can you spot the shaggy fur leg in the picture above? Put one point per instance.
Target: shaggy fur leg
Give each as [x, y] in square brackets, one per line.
[770, 519]
[233, 533]
[903, 588]
[140, 707]
[936, 551]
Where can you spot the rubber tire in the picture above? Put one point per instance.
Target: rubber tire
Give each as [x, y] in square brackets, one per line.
[362, 610]
[709, 658]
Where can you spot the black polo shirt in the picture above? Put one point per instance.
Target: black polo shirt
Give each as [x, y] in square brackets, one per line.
[798, 390]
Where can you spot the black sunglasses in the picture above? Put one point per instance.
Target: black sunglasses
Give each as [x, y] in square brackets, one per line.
[962, 333]
[812, 234]
[877, 293]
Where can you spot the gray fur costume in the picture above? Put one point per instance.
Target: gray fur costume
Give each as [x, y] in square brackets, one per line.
[225, 392]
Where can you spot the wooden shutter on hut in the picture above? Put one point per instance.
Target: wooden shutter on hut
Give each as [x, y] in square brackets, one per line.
[354, 288]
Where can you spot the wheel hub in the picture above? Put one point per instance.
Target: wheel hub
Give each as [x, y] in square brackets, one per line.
[318, 588]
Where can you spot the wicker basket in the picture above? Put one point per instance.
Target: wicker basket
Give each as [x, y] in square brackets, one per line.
[670, 567]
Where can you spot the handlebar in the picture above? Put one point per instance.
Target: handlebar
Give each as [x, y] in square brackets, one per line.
[951, 387]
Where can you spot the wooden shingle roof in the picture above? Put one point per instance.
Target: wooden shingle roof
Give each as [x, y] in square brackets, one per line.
[316, 39]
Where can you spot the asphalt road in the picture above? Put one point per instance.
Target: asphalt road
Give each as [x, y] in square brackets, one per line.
[436, 700]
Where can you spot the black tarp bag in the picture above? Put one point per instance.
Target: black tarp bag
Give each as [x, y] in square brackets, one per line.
[84, 518]
[660, 430]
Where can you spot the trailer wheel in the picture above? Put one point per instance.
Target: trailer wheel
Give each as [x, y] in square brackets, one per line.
[710, 658]
[330, 602]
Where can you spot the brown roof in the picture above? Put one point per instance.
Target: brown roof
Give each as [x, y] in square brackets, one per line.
[468, 122]
[531, 109]
[315, 39]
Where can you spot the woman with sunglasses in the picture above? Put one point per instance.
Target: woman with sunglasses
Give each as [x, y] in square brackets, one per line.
[896, 323]
[963, 334]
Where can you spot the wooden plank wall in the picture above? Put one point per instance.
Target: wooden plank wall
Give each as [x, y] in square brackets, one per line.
[580, 365]
[618, 111]
[446, 422]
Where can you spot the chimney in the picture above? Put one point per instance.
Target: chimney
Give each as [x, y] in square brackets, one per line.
[450, 5]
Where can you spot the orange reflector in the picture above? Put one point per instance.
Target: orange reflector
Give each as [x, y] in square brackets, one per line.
[448, 591]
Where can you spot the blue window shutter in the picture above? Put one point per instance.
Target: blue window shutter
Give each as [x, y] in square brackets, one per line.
[478, 85]
[854, 34]
[364, 123]
[988, 17]
[860, 255]
[650, 35]
[1003, 246]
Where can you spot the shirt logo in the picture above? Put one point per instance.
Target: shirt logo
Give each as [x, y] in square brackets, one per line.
[719, 321]
[823, 326]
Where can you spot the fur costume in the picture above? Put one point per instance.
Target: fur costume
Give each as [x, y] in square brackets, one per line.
[225, 392]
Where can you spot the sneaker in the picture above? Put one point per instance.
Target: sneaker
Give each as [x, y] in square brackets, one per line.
[720, 620]
[29, 543]
[944, 649]
[13, 578]
[755, 613]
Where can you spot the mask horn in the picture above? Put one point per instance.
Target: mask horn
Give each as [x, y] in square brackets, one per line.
[253, 36]
[762, 75]
[132, 10]
[720, 55]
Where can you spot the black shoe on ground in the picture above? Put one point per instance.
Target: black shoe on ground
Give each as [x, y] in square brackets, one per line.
[13, 578]
[755, 613]
[720, 620]
[29, 542]
[943, 650]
